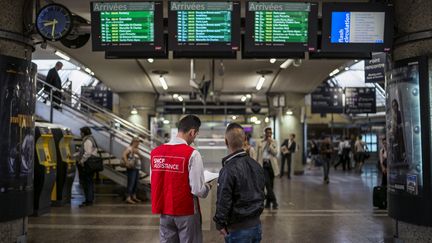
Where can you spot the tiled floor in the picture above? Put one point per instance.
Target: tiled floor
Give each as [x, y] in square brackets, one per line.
[310, 211]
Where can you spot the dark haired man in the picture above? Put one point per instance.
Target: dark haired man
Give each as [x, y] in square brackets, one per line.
[53, 79]
[288, 148]
[240, 194]
[177, 181]
[266, 157]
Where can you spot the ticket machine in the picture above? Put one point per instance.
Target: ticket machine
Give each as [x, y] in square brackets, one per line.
[66, 168]
[45, 169]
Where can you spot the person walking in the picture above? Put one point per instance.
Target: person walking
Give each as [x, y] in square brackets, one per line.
[87, 149]
[326, 150]
[288, 148]
[360, 153]
[132, 158]
[177, 181]
[54, 80]
[343, 153]
[266, 157]
[241, 180]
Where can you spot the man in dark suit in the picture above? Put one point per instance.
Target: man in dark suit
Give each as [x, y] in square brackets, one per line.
[287, 149]
[54, 80]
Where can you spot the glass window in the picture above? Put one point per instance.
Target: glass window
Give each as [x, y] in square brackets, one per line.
[371, 141]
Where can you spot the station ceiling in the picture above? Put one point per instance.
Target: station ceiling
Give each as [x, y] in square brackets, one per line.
[230, 76]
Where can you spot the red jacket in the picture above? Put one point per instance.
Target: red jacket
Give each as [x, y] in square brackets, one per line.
[170, 189]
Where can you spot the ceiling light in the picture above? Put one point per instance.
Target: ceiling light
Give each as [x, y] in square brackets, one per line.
[254, 119]
[234, 117]
[166, 122]
[286, 64]
[78, 68]
[163, 82]
[347, 68]
[289, 112]
[272, 60]
[243, 98]
[62, 55]
[175, 96]
[88, 70]
[356, 60]
[134, 111]
[267, 120]
[336, 71]
[257, 122]
[248, 96]
[150, 60]
[180, 98]
[92, 73]
[260, 83]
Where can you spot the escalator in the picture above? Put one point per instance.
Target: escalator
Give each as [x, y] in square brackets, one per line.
[112, 133]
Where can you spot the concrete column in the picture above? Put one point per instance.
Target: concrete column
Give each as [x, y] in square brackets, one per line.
[411, 17]
[12, 15]
[144, 103]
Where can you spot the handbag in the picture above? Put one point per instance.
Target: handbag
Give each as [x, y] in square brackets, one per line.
[129, 163]
[94, 163]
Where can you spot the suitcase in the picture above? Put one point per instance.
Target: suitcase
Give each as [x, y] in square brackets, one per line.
[380, 197]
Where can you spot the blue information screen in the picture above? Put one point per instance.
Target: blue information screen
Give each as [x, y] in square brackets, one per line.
[357, 27]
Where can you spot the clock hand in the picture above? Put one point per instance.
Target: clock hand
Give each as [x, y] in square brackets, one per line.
[49, 23]
[53, 28]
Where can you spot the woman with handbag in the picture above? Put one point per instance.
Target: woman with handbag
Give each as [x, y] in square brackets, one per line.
[88, 149]
[132, 161]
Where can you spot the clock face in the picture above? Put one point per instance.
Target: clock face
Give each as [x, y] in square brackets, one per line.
[53, 22]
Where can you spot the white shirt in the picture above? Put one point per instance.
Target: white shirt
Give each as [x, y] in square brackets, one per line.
[89, 150]
[196, 171]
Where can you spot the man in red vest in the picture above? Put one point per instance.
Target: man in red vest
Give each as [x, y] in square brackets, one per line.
[177, 181]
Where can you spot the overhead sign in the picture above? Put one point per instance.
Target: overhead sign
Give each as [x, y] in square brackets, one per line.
[374, 69]
[360, 100]
[326, 99]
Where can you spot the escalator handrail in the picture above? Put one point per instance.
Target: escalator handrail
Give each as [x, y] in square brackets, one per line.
[114, 118]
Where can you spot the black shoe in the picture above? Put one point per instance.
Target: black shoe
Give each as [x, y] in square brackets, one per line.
[267, 206]
[289, 177]
[85, 204]
[275, 206]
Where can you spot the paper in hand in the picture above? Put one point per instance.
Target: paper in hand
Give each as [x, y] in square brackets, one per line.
[209, 176]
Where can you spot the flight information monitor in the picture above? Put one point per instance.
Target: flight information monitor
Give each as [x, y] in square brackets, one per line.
[127, 26]
[204, 26]
[275, 28]
[356, 27]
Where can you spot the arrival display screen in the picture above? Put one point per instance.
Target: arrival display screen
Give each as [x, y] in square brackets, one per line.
[127, 26]
[204, 26]
[280, 27]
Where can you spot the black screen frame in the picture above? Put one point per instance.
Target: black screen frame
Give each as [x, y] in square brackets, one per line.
[157, 46]
[209, 49]
[327, 10]
[288, 50]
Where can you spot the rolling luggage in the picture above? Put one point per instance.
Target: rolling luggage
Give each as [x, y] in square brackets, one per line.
[380, 197]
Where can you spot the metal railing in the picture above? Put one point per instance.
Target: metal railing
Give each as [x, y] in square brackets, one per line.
[116, 126]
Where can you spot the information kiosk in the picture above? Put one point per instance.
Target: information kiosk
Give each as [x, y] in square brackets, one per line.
[45, 169]
[66, 168]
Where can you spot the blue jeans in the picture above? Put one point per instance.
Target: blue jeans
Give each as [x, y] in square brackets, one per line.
[249, 235]
[132, 182]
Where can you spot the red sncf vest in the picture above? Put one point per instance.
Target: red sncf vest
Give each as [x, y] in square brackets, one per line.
[170, 189]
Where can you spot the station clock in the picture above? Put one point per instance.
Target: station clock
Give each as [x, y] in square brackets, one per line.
[54, 22]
